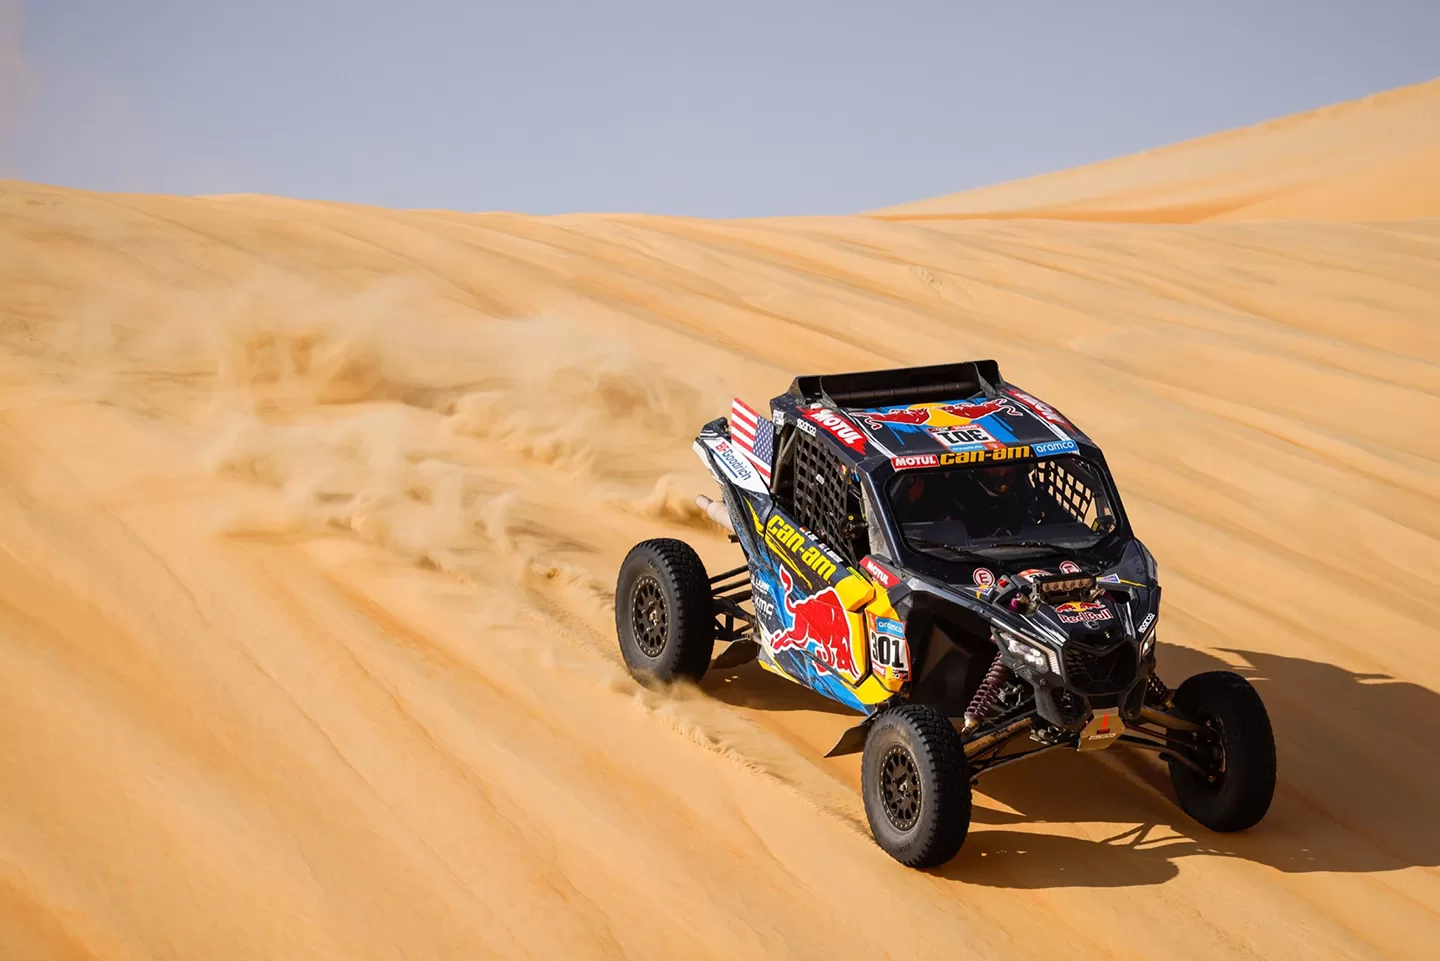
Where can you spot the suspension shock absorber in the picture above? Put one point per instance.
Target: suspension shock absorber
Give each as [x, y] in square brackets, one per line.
[983, 703]
[1156, 692]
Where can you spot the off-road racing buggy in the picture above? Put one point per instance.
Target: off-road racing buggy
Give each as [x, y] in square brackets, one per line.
[947, 554]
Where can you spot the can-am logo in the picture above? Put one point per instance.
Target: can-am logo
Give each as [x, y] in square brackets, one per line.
[848, 434]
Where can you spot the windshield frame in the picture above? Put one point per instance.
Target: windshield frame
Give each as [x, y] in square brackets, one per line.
[1007, 547]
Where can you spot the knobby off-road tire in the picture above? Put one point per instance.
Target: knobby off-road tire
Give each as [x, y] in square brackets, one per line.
[916, 785]
[664, 612]
[1238, 724]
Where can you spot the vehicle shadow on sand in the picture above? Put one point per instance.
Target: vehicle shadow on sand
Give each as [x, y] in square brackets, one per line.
[750, 685]
[1359, 785]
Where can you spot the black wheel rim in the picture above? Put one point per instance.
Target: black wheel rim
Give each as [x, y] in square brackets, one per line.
[900, 788]
[648, 616]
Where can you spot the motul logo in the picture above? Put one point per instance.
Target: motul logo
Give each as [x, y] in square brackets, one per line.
[840, 427]
[915, 460]
[883, 577]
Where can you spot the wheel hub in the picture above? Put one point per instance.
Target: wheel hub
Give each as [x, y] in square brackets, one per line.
[1210, 750]
[649, 617]
[900, 788]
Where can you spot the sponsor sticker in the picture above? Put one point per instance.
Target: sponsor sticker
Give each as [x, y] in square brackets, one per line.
[983, 577]
[1049, 447]
[1145, 624]
[953, 437]
[1031, 574]
[1083, 612]
[1108, 579]
[882, 577]
[982, 456]
[734, 464]
[848, 434]
[804, 550]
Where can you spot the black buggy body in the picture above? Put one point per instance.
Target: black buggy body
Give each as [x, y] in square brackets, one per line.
[947, 555]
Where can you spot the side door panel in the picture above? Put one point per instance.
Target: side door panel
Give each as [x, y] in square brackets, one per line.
[818, 601]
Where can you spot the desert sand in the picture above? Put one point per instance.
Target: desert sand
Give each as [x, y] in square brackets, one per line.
[311, 512]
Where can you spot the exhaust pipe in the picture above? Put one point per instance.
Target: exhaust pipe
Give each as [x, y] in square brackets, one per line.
[715, 511]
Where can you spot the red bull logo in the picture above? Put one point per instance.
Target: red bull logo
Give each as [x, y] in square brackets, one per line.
[950, 414]
[820, 621]
[1080, 612]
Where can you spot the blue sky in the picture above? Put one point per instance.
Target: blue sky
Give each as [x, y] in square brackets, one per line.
[732, 108]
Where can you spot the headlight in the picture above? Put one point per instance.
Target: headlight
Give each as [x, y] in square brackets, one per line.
[1038, 657]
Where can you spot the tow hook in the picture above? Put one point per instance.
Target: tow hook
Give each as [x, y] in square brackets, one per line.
[1104, 727]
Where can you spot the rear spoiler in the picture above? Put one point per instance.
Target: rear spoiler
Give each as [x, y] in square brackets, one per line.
[902, 385]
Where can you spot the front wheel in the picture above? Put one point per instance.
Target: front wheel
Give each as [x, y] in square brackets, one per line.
[1234, 748]
[664, 612]
[916, 785]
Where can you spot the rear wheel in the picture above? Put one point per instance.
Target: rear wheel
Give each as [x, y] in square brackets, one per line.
[916, 785]
[664, 613]
[1235, 749]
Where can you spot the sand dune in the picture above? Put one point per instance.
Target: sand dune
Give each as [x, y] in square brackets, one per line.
[1368, 159]
[310, 514]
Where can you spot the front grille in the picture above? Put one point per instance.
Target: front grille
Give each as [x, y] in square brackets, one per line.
[1107, 673]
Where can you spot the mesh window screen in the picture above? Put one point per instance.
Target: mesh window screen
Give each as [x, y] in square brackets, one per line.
[826, 499]
[1072, 491]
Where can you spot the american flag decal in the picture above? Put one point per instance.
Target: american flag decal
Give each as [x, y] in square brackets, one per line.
[754, 435]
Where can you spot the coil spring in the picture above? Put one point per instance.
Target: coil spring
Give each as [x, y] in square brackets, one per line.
[983, 703]
[1157, 690]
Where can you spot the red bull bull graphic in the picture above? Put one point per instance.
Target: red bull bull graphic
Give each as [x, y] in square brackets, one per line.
[942, 415]
[819, 626]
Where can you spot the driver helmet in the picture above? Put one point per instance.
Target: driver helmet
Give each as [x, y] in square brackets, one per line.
[996, 480]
